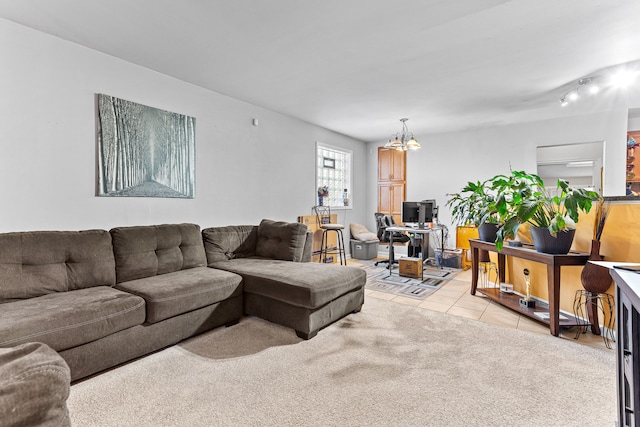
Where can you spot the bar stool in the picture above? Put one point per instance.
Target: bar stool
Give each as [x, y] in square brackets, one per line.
[323, 218]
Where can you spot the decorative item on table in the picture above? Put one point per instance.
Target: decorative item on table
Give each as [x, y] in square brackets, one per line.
[322, 193]
[596, 279]
[527, 301]
[506, 288]
[631, 142]
[345, 198]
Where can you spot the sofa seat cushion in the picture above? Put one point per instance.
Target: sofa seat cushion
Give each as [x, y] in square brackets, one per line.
[171, 294]
[64, 320]
[301, 284]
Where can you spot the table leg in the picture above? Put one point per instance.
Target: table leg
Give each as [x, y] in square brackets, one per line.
[391, 253]
[553, 284]
[425, 246]
[474, 269]
[592, 313]
[501, 268]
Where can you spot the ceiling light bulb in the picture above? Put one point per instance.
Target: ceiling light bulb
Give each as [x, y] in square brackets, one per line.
[395, 144]
[563, 101]
[623, 78]
[412, 144]
[573, 96]
[594, 88]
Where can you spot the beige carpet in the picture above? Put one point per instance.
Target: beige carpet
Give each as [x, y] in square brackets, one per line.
[389, 365]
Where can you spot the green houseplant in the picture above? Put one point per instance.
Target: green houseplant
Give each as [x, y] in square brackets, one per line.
[474, 205]
[523, 198]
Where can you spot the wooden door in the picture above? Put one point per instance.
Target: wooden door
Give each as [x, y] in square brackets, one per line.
[391, 182]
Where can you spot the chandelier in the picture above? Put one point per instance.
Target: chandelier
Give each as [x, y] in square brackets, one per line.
[403, 141]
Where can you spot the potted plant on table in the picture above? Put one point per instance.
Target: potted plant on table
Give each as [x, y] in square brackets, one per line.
[523, 198]
[475, 206]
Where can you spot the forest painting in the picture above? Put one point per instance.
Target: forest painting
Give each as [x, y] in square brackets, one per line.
[144, 151]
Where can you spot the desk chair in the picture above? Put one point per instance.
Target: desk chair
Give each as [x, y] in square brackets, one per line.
[382, 222]
[323, 218]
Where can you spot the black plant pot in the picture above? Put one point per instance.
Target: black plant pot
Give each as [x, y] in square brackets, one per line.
[487, 232]
[544, 242]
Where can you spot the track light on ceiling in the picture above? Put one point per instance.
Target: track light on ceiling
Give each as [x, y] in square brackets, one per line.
[592, 85]
[403, 141]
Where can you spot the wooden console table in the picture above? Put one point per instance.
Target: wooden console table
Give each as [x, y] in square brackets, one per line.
[553, 263]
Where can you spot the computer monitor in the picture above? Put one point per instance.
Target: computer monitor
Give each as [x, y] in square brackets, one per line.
[419, 212]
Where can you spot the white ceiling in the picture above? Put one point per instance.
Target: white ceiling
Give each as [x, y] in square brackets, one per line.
[357, 66]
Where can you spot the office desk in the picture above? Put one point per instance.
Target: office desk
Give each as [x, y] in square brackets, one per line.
[553, 263]
[425, 240]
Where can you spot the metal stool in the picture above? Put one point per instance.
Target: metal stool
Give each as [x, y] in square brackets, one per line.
[593, 303]
[323, 217]
[484, 268]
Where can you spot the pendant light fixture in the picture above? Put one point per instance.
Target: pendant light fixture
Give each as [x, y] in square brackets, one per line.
[403, 141]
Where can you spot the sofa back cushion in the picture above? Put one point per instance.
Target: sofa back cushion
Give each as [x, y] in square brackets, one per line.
[225, 243]
[36, 263]
[281, 240]
[145, 251]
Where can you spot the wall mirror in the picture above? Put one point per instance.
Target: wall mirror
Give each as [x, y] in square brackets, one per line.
[581, 164]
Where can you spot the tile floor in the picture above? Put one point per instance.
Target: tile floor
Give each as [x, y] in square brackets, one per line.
[454, 298]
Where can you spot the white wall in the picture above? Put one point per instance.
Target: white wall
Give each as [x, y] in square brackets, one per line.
[48, 163]
[447, 162]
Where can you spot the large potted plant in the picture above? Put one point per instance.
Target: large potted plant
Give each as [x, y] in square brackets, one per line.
[475, 206]
[552, 214]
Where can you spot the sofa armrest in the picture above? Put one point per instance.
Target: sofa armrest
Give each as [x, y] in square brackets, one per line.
[34, 386]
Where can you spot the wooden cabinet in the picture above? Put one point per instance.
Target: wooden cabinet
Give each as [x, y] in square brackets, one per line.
[390, 198]
[391, 182]
[391, 165]
[628, 358]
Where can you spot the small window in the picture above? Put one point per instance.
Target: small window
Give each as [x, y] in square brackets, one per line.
[333, 171]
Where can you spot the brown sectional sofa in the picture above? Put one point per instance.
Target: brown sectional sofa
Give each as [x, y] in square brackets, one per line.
[102, 298]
